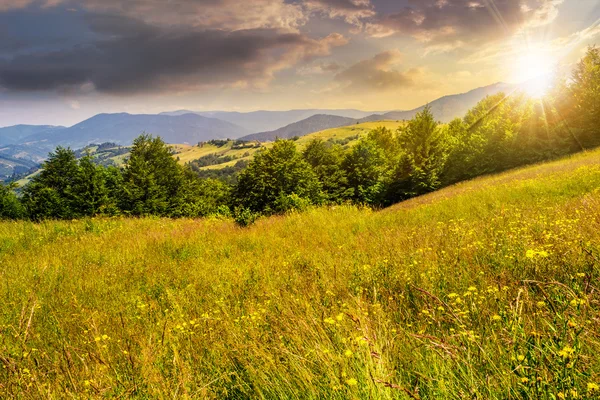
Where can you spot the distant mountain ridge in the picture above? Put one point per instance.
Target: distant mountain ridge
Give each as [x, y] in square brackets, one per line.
[312, 124]
[264, 121]
[122, 128]
[446, 108]
[15, 134]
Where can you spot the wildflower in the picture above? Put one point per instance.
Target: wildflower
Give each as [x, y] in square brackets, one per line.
[541, 304]
[566, 352]
[340, 316]
[472, 289]
[560, 395]
[496, 318]
[520, 357]
[348, 353]
[593, 387]
[329, 321]
[576, 302]
[351, 382]
[524, 380]
[453, 295]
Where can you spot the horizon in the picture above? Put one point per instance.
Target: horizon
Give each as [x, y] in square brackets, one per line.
[198, 112]
[63, 61]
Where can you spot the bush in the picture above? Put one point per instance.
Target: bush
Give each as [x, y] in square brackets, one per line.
[244, 217]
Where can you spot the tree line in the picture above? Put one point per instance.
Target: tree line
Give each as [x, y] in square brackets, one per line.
[503, 131]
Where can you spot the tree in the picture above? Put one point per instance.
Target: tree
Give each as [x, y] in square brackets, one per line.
[586, 92]
[365, 166]
[200, 197]
[10, 206]
[425, 150]
[277, 180]
[326, 161]
[89, 192]
[50, 193]
[151, 178]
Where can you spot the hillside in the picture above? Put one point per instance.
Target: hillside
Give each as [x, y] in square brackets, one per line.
[447, 108]
[331, 303]
[345, 135]
[15, 134]
[310, 125]
[123, 128]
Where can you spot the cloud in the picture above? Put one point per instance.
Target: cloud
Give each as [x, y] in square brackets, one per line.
[449, 24]
[352, 11]
[132, 56]
[320, 68]
[378, 73]
[208, 14]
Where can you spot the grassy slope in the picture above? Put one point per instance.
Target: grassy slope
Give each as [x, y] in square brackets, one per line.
[188, 153]
[488, 290]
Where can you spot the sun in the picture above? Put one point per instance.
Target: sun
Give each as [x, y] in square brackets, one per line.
[535, 72]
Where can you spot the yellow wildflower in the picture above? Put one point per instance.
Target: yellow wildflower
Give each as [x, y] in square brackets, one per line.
[566, 352]
[352, 382]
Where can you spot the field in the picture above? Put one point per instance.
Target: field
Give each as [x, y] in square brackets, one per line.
[484, 290]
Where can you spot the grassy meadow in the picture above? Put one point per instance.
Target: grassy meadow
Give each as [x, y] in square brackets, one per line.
[483, 290]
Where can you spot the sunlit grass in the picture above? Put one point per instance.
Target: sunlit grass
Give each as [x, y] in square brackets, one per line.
[487, 290]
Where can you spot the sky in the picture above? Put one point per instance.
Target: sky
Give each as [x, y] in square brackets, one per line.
[62, 61]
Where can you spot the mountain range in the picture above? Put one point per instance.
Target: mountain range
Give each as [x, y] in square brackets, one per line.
[31, 143]
[444, 109]
[262, 121]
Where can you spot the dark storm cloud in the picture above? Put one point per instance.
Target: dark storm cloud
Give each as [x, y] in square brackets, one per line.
[131, 56]
[463, 21]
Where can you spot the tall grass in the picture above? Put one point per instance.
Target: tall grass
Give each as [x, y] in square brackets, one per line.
[485, 290]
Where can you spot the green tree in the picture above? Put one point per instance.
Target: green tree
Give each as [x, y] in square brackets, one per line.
[326, 161]
[425, 149]
[50, 193]
[89, 193]
[10, 205]
[200, 197]
[585, 88]
[365, 167]
[277, 180]
[151, 178]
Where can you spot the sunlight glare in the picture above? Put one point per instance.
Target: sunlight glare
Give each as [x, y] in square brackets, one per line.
[535, 71]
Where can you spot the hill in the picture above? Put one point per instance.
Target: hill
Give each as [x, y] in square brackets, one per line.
[123, 128]
[264, 121]
[312, 124]
[486, 289]
[447, 108]
[229, 153]
[15, 134]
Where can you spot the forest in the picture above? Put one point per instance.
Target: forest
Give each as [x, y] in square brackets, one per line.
[502, 132]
